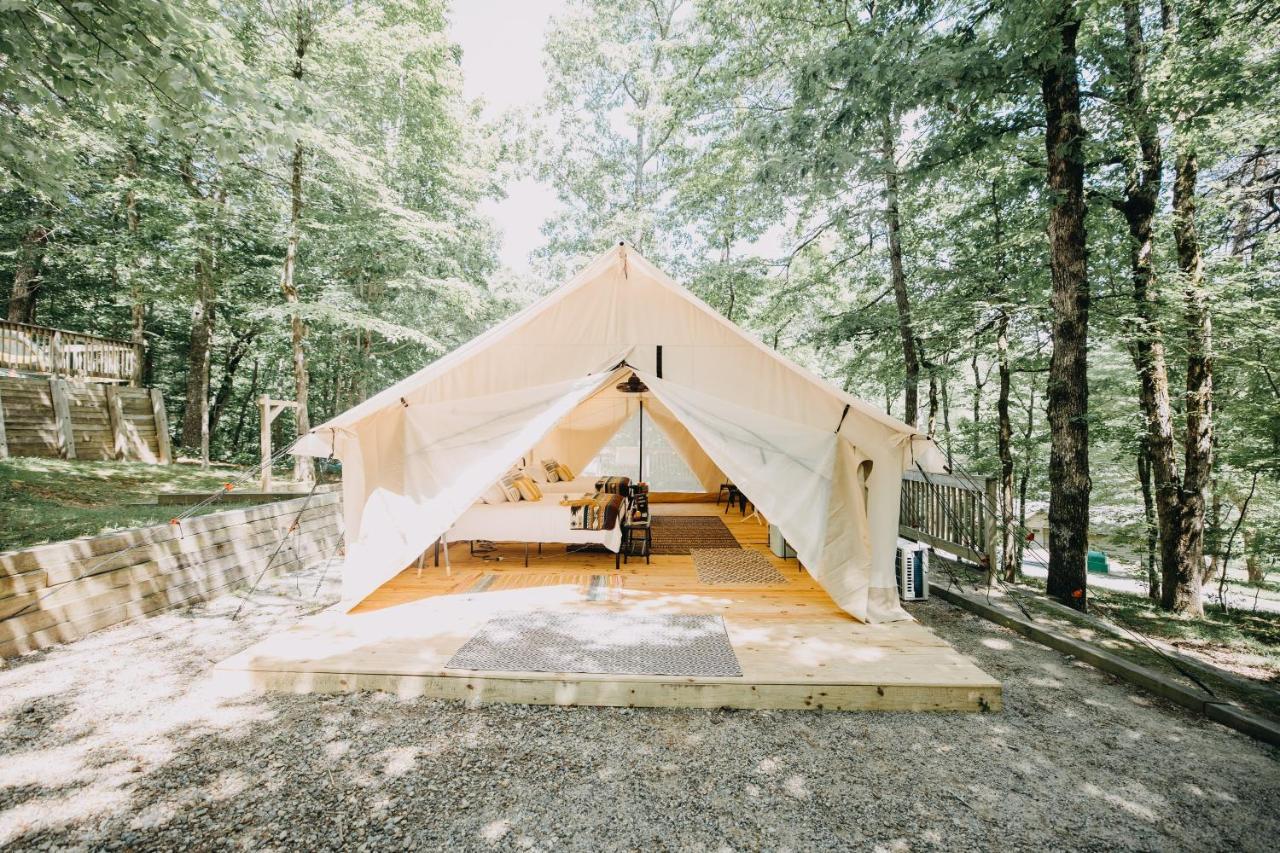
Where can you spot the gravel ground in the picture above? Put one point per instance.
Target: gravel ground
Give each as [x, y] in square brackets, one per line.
[122, 741]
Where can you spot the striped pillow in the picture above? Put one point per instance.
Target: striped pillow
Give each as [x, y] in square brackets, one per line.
[528, 489]
[552, 467]
[508, 483]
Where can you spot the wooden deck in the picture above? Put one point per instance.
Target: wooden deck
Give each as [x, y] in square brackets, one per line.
[795, 647]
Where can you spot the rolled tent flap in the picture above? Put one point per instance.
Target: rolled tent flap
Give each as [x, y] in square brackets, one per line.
[453, 451]
[804, 480]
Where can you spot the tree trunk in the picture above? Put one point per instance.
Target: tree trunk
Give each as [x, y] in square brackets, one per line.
[1008, 563]
[235, 355]
[1184, 595]
[1142, 194]
[195, 417]
[1149, 521]
[975, 449]
[249, 399]
[1069, 481]
[28, 276]
[303, 469]
[1024, 475]
[137, 302]
[893, 223]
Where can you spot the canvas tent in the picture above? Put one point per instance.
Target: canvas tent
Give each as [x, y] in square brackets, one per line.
[822, 465]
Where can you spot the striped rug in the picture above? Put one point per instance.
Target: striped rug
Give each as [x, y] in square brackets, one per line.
[678, 534]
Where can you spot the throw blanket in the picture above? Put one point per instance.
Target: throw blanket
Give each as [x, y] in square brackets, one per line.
[598, 512]
[613, 485]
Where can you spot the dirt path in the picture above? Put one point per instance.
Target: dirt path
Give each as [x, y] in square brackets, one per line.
[121, 741]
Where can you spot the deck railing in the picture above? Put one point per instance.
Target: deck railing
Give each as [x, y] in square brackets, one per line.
[951, 512]
[42, 351]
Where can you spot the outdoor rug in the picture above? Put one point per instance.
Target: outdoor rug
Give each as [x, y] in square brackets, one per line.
[737, 566]
[677, 534]
[622, 643]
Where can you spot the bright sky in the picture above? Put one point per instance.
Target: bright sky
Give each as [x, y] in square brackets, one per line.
[502, 63]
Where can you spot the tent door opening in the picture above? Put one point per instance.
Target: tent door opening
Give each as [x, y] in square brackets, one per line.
[639, 449]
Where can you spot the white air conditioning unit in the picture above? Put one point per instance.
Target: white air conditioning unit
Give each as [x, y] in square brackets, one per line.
[912, 569]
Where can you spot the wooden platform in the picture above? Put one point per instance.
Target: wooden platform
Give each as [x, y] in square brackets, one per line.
[795, 647]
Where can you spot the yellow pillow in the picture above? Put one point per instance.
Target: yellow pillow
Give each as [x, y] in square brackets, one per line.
[563, 472]
[528, 489]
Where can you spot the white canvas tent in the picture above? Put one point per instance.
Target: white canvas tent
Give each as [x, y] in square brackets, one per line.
[822, 465]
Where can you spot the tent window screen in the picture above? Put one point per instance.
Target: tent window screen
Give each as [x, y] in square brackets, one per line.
[664, 470]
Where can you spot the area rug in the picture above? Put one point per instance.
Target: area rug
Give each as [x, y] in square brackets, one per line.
[737, 566]
[677, 534]
[621, 643]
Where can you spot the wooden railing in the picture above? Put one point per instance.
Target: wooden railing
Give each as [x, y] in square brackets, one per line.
[951, 512]
[42, 351]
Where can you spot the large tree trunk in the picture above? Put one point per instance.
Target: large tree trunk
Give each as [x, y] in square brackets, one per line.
[1142, 194]
[28, 276]
[1184, 595]
[303, 469]
[1069, 481]
[137, 302]
[195, 417]
[893, 223]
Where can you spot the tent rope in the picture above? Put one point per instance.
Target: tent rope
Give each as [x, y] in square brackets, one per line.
[293, 528]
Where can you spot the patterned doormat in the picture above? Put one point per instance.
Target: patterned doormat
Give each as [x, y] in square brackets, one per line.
[622, 643]
[677, 534]
[737, 566]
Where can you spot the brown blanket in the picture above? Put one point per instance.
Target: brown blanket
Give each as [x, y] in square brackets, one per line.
[598, 512]
[613, 485]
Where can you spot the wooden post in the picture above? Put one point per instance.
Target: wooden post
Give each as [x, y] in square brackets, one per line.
[989, 530]
[4, 442]
[119, 427]
[62, 418]
[268, 411]
[55, 354]
[265, 417]
[162, 426]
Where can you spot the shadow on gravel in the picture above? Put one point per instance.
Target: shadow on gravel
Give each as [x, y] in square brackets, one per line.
[128, 744]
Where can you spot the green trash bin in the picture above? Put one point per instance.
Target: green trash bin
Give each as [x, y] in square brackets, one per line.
[1097, 562]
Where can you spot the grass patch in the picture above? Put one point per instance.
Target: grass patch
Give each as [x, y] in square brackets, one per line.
[48, 500]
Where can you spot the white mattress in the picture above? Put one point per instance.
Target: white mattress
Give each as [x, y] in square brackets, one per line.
[529, 521]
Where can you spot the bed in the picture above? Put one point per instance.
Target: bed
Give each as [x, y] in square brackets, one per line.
[531, 521]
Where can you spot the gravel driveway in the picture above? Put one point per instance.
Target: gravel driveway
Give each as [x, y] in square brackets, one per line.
[121, 741]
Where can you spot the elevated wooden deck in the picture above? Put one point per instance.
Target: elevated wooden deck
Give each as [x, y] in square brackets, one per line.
[796, 648]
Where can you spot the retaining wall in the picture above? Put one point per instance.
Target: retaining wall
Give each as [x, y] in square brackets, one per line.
[59, 592]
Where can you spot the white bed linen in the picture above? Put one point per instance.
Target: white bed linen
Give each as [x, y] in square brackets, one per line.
[530, 521]
[584, 484]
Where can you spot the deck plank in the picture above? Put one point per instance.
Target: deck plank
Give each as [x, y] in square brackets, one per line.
[797, 649]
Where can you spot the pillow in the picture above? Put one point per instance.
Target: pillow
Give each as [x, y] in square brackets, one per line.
[528, 489]
[494, 495]
[563, 472]
[552, 469]
[507, 482]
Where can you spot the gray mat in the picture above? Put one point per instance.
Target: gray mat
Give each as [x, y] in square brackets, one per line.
[738, 566]
[620, 643]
